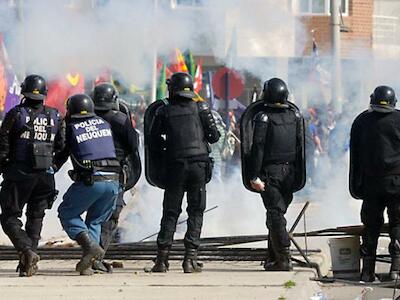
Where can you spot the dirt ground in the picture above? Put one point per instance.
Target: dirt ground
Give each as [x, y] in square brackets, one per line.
[58, 280]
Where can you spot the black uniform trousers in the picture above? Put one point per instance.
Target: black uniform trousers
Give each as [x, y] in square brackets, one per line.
[37, 191]
[279, 179]
[190, 177]
[380, 193]
[109, 228]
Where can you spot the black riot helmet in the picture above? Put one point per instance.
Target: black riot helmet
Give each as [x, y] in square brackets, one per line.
[105, 97]
[181, 84]
[80, 106]
[275, 93]
[34, 87]
[383, 99]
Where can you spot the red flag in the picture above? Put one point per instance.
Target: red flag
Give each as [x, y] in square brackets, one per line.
[62, 88]
[104, 76]
[198, 78]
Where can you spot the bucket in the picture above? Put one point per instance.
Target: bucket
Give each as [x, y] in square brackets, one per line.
[345, 256]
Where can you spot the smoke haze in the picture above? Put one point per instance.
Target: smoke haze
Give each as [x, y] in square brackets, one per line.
[125, 34]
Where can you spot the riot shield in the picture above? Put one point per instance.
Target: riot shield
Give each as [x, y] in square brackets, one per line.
[155, 159]
[246, 137]
[355, 174]
[300, 162]
[132, 170]
[131, 165]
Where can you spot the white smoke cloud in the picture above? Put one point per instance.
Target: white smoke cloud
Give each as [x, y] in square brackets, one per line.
[125, 35]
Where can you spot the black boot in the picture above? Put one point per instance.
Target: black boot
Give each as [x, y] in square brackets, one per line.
[395, 267]
[35, 243]
[190, 264]
[282, 261]
[270, 254]
[27, 263]
[161, 264]
[368, 269]
[102, 266]
[91, 252]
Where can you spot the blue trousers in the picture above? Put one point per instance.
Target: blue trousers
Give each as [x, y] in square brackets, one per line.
[98, 201]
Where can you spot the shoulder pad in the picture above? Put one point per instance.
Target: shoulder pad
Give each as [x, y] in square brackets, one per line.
[261, 117]
[203, 105]
[120, 117]
[52, 110]
[298, 114]
[160, 111]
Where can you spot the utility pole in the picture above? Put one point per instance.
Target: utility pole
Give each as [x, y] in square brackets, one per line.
[21, 41]
[336, 89]
[153, 91]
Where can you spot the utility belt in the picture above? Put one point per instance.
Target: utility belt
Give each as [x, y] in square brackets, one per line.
[99, 170]
[209, 161]
[89, 178]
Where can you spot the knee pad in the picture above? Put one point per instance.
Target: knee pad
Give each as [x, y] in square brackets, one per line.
[368, 250]
[275, 219]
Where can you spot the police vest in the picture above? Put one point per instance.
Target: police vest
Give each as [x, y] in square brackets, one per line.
[90, 139]
[280, 143]
[185, 133]
[42, 129]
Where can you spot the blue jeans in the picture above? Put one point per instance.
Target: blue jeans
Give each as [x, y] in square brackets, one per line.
[98, 201]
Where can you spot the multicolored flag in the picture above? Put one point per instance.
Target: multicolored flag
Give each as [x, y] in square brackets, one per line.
[178, 62]
[161, 92]
[190, 63]
[10, 89]
[318, 73]
[13, 90]
[198, 79]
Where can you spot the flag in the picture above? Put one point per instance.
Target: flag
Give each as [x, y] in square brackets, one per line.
[161, 92]
[105, 76]
[13, 90]
[9, 84]
[178, 62]
[61, 89]
[3, 86]
[189, 61]
[318, 73]
[3, 79]
[198, 79]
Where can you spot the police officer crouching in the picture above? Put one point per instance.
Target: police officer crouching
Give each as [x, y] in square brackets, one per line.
[179, 163]
[90, 146]
[375, 176]
[273, 163]
[126, 142]
[29, 136]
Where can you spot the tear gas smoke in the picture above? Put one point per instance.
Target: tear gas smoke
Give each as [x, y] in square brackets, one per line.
[126, 34]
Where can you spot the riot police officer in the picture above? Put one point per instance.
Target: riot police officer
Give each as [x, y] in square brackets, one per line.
[29, 135]
[375, 176]
[273, 163]
[90, 146]
[126, 142]
[179, 163]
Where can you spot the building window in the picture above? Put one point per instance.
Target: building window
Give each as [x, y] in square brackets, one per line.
[319, 7]
[187, 3]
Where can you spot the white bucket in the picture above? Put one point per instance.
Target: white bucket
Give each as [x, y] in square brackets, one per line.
[345, 256]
